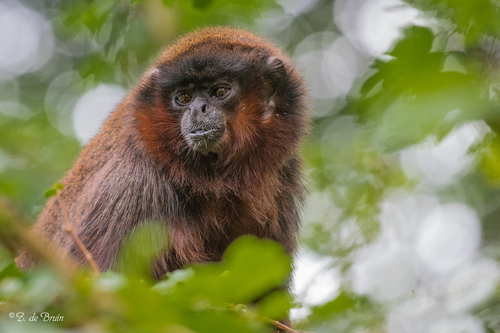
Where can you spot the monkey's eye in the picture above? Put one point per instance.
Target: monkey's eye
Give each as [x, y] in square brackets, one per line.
[220, 92]
[183, 98]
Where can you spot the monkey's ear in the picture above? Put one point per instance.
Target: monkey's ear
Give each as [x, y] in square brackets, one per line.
[275, 64]
[147, 90]
[154, 73]
[275, 73]
[274, 77]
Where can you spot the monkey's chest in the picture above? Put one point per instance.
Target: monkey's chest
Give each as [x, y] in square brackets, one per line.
[221, 221]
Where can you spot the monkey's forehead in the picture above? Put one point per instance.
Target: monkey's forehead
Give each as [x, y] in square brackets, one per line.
[207, 67]
[212, 54]
[218, 39]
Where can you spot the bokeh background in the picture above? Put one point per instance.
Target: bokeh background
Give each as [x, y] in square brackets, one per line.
[401, 229]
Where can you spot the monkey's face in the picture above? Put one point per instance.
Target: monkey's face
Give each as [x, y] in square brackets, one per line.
[220, 101]
[220, 105]
[203, 106]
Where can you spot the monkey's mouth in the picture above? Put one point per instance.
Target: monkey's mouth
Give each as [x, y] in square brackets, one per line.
[201, 131]
[205, 140]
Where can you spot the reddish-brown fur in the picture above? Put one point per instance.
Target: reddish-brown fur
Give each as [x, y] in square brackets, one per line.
[138, 168]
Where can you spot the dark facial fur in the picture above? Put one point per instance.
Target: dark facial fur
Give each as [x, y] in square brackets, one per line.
[203, 123]
[208, 143]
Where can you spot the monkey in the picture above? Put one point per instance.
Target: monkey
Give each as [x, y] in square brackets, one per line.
[208, 143]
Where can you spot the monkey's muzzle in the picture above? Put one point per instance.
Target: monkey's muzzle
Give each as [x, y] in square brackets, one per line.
[205, 140]
[203, 127]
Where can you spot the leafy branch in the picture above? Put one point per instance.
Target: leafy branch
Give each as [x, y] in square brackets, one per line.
[242, 308]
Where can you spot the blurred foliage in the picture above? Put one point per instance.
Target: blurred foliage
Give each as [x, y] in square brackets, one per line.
[425, 87]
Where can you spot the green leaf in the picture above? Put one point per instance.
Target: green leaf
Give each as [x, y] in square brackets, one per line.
[340, 304]
[174, 279]
[50, 193]
[250, 268]
[490, 161]
[142, 248]
[255, 266]
[58, 186]
[109, 282]
[201, 4]
[276, 305]
[8, 269]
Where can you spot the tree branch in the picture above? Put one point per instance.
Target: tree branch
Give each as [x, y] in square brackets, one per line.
[68, 227]
[276, 323]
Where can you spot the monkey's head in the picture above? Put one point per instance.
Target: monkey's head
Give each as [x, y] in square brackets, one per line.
[220, 105]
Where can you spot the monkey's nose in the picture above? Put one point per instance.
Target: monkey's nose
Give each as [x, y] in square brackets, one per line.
[198, 105]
